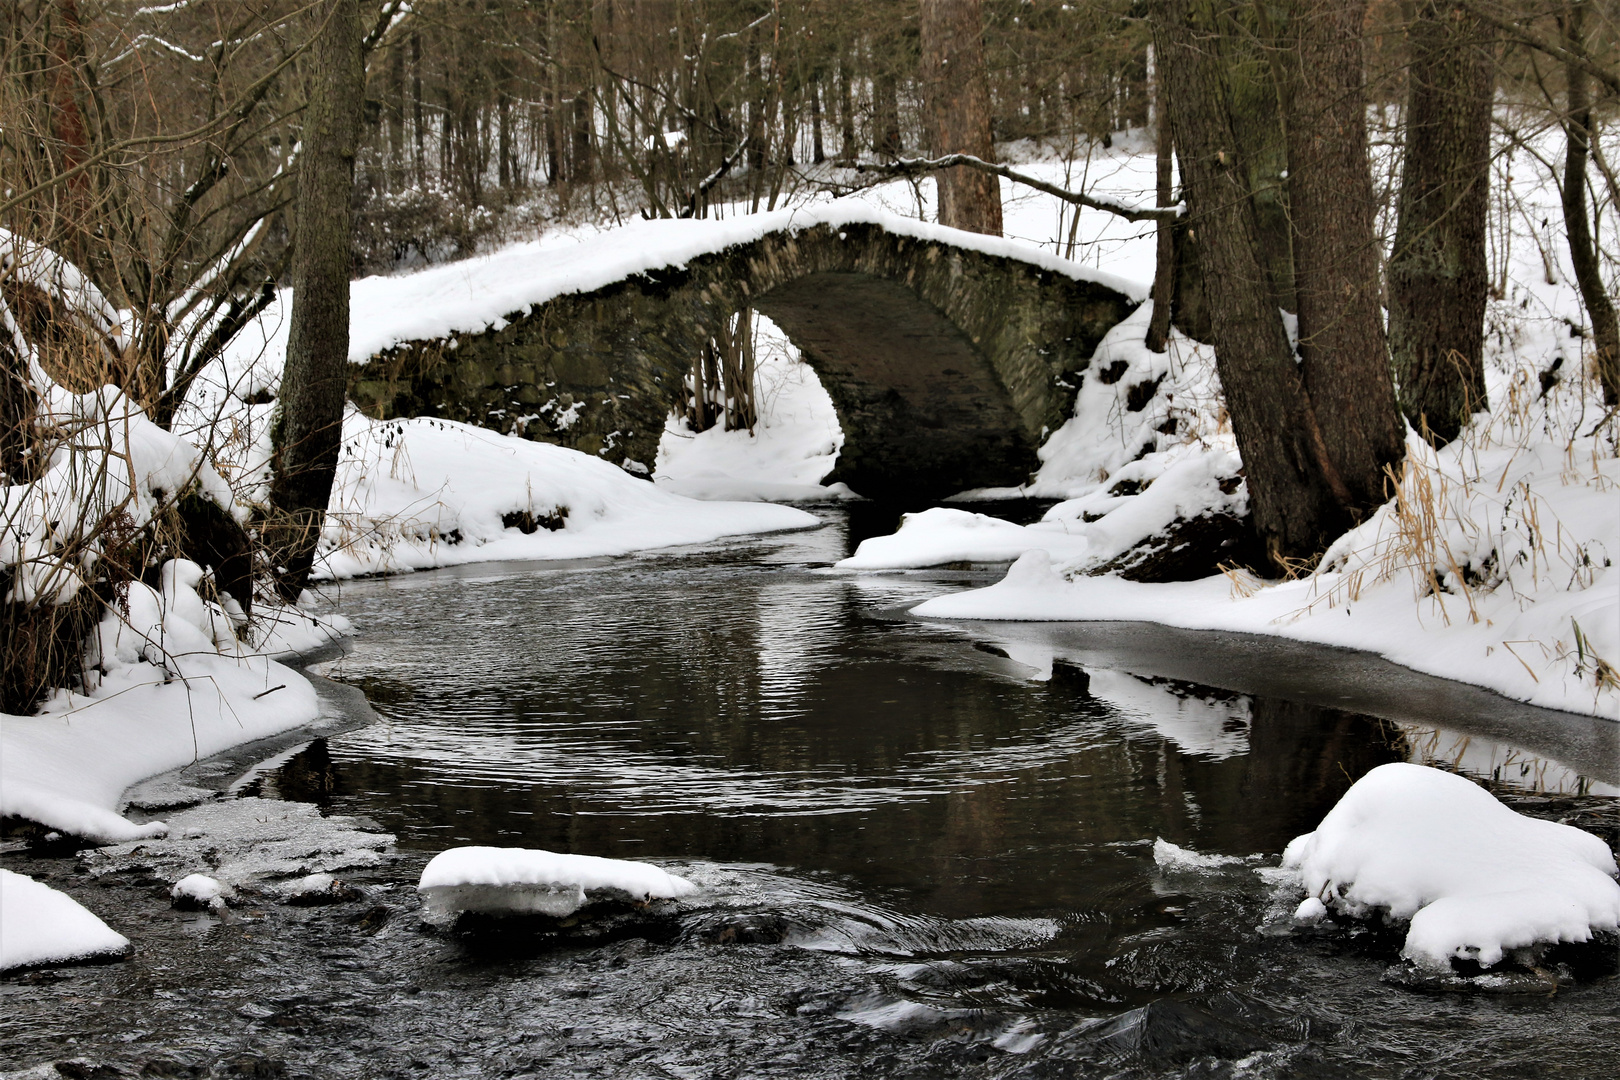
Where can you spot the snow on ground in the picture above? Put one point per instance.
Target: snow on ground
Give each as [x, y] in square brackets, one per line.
[412, 494]
[1493, 565]
[524, 881]
[169, 676]
[39, 925]
[167, 697]
[1474, 879]
[786, 456]
[200, 890]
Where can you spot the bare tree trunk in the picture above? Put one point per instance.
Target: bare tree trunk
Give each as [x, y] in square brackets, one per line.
[308, 428]
[1438, 278]
[67, 52]
[417, 131]
[1294, 503]
[1343, 355]
[1583, 254]
[886, 140]
[818, 151]
[958, 100]
[1164, 268]
[848, 151]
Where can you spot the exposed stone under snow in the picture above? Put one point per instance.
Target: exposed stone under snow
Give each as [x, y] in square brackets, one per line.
[1474, 878]
[39, 925]
[526, 881]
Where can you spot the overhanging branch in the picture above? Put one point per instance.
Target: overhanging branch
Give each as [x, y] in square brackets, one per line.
[916, 166]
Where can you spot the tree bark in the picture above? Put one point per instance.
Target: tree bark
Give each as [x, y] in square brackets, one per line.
[1437, 273]
[1296, 501]
[958, 100]
[886, 140]
[308, 428]
[1583, 254]
[1343, 355]
[1164, 269]
[848, 151]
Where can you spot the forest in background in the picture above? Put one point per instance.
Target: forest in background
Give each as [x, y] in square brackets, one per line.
[171, 150]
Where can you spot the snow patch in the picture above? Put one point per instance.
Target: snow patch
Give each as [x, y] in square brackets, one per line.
[39, 925]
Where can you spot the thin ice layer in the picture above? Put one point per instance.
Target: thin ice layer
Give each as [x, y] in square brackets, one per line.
[1475, 878]
[529, 881]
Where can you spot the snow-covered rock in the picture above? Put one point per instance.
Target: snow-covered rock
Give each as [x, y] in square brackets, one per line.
[200, 891]
[1474, 878]
[39, 925]
[525, 881]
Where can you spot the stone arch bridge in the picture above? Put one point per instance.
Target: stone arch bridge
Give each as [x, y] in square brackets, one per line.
[947, 355]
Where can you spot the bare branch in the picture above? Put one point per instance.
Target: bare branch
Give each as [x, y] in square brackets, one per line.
[917, 166]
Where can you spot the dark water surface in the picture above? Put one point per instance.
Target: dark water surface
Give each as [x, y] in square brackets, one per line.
[925, 850]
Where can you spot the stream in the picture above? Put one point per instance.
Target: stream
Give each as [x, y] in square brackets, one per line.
[924, 849]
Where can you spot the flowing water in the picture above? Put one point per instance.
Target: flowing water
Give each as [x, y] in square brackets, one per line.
[924, 849]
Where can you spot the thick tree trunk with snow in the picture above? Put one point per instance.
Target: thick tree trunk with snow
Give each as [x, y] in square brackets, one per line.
[1344, 358]
[1437, 272]
[958, 103]
[1583, 254]
[1295, 499]
[309, 419]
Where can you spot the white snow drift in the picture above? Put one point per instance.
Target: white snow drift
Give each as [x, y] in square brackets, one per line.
[526, 881]
[39, 925]
[1474, 878]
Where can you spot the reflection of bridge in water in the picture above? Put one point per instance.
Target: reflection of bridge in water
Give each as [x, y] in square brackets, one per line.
[947, 355]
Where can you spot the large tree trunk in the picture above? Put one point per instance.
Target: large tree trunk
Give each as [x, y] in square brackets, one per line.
[1296, 500]
[309, 421]
[958, 103]
[1164, 269]
[1583, 253]
[1437, 273]
[1343, 355]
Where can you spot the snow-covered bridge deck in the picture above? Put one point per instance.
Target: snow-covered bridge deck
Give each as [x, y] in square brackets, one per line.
[947, 354]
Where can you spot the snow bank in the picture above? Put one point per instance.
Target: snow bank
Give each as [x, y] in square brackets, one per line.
[167, 683]
[1493, 567]
[39, 925]
[1474, 878]
[522, 881]
[412, 494]
[1493, 563]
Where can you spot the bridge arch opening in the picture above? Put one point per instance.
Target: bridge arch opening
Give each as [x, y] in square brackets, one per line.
[922, 411]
